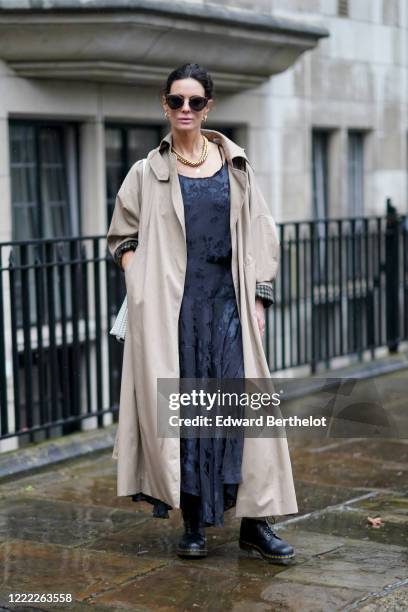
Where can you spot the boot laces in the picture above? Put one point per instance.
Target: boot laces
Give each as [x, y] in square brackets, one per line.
[269, 524]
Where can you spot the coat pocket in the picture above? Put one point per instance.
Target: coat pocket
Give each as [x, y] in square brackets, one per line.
[130, 271]
[135, 277]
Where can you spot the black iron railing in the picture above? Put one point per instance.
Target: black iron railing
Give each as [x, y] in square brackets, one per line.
[341, 289]
[58, 364]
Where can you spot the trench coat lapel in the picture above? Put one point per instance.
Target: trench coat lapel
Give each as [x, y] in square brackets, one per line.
[163, 164]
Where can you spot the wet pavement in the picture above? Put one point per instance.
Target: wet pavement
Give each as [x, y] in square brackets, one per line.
[63, 530]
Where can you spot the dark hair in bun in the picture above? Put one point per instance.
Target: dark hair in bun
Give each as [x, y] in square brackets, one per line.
[193, 71]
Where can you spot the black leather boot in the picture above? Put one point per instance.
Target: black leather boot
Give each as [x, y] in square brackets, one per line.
[193, 543]
[257, 535]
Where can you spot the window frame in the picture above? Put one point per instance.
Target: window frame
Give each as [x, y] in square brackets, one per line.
[352, 175]
[73, 191]
[327, 133]
[124, 128]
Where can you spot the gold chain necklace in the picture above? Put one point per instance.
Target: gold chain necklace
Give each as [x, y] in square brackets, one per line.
[203, 156]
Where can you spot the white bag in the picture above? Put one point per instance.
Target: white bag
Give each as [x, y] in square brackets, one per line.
[120, 325]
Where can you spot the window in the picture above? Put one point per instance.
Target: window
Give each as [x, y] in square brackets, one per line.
[320, 171]
[320, 185]
[44, 198]
[342, 8]
[124, 145]
[355, 193]
[44, 180]
[355, 173]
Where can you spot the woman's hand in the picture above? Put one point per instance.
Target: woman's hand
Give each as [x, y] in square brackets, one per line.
[260, 315]
[126, 259]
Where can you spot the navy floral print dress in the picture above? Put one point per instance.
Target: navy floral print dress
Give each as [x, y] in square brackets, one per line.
[210, 344]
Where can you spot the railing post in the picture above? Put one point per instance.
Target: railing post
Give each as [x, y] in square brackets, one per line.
[313, 308]
[4, 421]
[392, 268]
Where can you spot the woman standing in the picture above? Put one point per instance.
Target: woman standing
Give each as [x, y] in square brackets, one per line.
[199, 254]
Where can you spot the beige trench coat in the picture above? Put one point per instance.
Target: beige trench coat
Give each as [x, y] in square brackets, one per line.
[155, 283]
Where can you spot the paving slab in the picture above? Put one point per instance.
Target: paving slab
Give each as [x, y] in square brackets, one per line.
[87, 489]
[81, 573]
[179, 587]
[394, 504]
[279, 595]
[60, 523]
[369, 472]
[357, 565]
[316, 496]
[394, 601]
[352, 522]
[394, 450]
[155, 537]
[90, 490]
[194, 587]
[48, 453]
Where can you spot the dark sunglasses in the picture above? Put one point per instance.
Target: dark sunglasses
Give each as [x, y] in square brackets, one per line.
[176, 101]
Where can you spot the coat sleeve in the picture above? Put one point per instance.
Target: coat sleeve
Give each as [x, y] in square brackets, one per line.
[124, 226]
[265, 241]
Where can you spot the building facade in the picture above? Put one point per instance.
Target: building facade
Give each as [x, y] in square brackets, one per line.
[315, 90]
